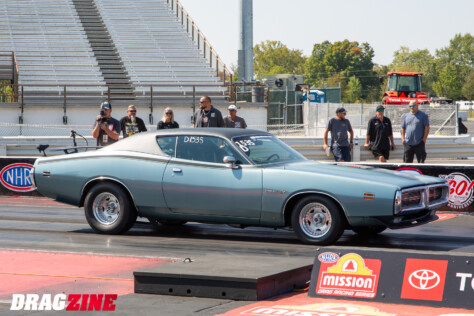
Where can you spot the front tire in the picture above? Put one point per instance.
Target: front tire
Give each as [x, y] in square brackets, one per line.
[317, 220]
[109, 210]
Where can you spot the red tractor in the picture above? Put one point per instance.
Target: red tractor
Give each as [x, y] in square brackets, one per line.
[403, 87]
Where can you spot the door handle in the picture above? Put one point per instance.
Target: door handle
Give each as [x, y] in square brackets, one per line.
[177, 170]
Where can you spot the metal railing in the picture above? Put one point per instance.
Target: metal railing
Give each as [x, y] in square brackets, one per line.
[202, 42]
[444, 147]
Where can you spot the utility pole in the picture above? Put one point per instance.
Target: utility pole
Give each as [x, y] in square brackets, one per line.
[245, 53]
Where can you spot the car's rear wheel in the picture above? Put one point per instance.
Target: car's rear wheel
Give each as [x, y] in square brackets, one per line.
[369, 230]
[109, 210]
[317, 220]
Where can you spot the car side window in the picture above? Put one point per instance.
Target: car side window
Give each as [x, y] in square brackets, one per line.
[206, 149]
[167, 145]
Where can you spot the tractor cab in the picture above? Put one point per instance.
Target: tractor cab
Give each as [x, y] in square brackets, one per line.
[403, 87]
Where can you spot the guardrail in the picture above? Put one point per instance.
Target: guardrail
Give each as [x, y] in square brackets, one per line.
[310, 147]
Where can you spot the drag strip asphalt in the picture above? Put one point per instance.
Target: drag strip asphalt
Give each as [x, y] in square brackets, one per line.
[37, 224]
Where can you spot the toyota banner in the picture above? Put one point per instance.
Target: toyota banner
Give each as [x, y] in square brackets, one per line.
[442, 280]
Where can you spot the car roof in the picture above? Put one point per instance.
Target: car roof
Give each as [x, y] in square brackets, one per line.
[146, 142]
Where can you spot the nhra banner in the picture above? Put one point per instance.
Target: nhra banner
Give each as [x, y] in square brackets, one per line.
[459, 177]
[14, 176]
[394, 277]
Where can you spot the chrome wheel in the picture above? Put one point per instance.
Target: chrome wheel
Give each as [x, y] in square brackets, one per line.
[106, 208]
[315, 220]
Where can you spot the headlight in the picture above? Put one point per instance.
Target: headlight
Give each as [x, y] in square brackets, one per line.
[397, 207]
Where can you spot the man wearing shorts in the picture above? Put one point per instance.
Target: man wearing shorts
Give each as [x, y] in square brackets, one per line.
[341, 145]
[379, 135]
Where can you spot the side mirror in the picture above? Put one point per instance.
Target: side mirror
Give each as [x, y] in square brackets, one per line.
[230, 160]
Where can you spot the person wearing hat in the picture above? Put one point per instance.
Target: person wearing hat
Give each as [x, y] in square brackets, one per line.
[232, 120]
[207, 115]
[379, 135]
[341, 144]
[106, 128]
[414, 131]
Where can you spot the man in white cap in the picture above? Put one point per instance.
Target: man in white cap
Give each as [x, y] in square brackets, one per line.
[232, 120]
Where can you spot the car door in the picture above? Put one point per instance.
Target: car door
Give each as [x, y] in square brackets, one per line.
[197, 181]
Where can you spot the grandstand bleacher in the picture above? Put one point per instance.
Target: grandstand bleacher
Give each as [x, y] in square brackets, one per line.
[57, 43]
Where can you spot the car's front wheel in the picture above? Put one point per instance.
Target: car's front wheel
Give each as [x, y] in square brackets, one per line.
[317, 220]
[109, 210]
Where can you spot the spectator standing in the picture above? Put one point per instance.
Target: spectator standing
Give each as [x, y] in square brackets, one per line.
[232, 120]
[341, 145]
[167, 121]
[379, 135]
[106, 128]
[207, 115]
[414, 131]
[131, 124]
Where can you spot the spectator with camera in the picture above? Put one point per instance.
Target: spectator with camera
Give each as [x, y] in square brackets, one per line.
[106, 128]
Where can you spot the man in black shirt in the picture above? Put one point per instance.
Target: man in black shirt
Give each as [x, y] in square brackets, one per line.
[131, 124]
[379, 135]
[207, 115]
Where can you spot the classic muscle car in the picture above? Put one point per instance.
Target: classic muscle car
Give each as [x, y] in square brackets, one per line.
[234, 176]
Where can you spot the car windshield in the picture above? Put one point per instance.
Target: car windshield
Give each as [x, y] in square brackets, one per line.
[263, 149]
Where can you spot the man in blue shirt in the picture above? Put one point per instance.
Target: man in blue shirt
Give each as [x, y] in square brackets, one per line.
[341, 144]
[414, 132]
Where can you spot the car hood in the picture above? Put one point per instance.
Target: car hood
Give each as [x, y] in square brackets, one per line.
[363, 173]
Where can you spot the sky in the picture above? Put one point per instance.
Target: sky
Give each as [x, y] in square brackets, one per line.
[299, 24]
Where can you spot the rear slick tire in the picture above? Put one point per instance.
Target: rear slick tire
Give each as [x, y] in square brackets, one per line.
[109, 210]
[317, 220]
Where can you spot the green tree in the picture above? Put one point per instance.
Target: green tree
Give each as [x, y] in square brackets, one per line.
[353, 93]
[468, 87]
[453, 65]
[272, 57]
[345, 58]
[449, 83]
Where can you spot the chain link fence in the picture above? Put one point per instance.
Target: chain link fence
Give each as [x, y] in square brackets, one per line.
[443, 118]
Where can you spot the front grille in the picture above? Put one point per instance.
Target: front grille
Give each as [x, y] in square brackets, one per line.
[413, 199]
[425, 197]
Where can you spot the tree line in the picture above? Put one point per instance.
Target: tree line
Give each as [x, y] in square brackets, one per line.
[448, 73]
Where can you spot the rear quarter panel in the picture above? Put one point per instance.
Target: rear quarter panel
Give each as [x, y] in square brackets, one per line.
[141, 176]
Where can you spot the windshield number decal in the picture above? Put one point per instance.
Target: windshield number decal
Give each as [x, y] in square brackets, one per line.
[244, 144]
[193, 139]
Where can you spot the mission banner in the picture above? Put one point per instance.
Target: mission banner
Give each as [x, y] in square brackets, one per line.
[391, 276]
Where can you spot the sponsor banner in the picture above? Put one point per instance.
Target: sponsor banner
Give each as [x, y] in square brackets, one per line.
[459, 177]
[14, 176]
[441, 280]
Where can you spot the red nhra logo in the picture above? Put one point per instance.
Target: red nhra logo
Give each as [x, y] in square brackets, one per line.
[16, 177]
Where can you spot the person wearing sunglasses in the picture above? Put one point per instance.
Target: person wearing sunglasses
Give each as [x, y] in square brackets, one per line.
[131, 124]
[167, 121]
[379, 135]
[414, 131]
[207, 115]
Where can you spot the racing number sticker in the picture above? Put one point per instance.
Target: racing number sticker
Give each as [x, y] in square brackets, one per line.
[460, 190]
